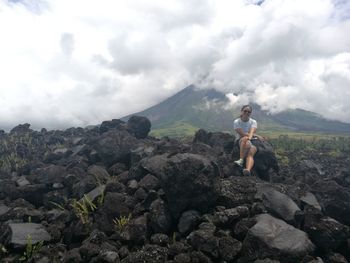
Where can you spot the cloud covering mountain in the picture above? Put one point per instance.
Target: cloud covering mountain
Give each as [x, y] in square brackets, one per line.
[73, 63]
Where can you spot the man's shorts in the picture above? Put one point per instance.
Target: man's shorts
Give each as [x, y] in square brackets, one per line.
[238, 141]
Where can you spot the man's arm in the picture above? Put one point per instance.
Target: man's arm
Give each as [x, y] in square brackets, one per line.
[251, 133]
[241, 132]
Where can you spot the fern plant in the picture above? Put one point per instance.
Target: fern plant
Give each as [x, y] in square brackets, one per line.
[121, 222]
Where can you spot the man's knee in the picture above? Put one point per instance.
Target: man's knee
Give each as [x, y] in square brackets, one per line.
[252, 151]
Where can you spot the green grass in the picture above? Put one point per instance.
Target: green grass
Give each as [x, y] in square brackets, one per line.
[185, 129]
[176, 130]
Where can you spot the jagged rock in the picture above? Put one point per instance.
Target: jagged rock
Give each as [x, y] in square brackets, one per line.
[148, 254]
[8, 190]
[113, 124]
[188, 181]
[99, 173]
[22, 181]
[335, 258]
[149, 182]
[140, 194]
[235, 191]
[310, 199]
[116, 187]
[160, 219]
[33, 193]
[205, 241]
[3, 210]
[273, 238]
[48, 175]
[117, 168]
[136, 230]
[132, 186]
[182, 258]
[307, 171]
[92, 247]
[115, 146]
[73, 255]
[281, 205]
[116, 205]
[53, 199]
[160, 239]
[188, 221]
[334, 199]
[343, 178]
[242, 227]
[21, 128]
[326, 233]
[177, 247]
[198, 256]
[83, 186]
[139, 126]
[225, 141]
[17, 234]
[229, 248]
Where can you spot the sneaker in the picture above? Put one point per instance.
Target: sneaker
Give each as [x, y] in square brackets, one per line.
[239, 162]
[246, 172]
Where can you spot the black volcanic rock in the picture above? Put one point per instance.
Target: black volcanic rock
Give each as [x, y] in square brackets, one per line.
[188, 181]
[115, 146]
[138, 126]
[273, 238]
[334, 199]
[103, 195]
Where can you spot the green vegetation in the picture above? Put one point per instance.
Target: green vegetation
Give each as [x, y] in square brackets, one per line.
[31, 249]
[330, 144]
[59, 206]
[121, 222]
[177, 129]
[83, 208]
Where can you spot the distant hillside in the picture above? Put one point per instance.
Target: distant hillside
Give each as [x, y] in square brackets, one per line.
[191, 109]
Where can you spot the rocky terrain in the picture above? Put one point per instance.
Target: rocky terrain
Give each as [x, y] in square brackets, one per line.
[114, 194]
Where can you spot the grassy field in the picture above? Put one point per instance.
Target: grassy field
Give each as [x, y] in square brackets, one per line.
[181, 129]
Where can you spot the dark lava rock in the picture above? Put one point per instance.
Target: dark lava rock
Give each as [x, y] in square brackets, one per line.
[17, 234]
[273, 238]
[139, 126]
[188, 180]
[235, 191]
[334, 199]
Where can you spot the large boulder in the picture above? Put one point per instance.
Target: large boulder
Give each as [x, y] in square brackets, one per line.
[188, 181]
[273, 238]
[19, 234]
[217, 140]
[281, 205]
[115, 146]
[235, 191]
[138, 126]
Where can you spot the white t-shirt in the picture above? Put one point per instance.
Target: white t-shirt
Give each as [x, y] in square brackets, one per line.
[245, 125]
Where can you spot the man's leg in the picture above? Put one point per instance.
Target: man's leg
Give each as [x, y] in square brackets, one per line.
[244, 146]
[250, 158]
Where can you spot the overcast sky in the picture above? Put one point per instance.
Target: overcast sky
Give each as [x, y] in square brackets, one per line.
[70, 63]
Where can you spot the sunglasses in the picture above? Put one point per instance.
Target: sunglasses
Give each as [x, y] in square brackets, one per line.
[247, 111]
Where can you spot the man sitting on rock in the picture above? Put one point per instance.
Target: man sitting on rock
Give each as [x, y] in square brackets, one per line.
[245, 128]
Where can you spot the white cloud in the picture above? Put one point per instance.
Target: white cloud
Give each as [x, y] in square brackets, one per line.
[73, 63]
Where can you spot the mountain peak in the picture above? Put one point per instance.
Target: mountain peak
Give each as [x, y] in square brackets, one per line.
[193, 108]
